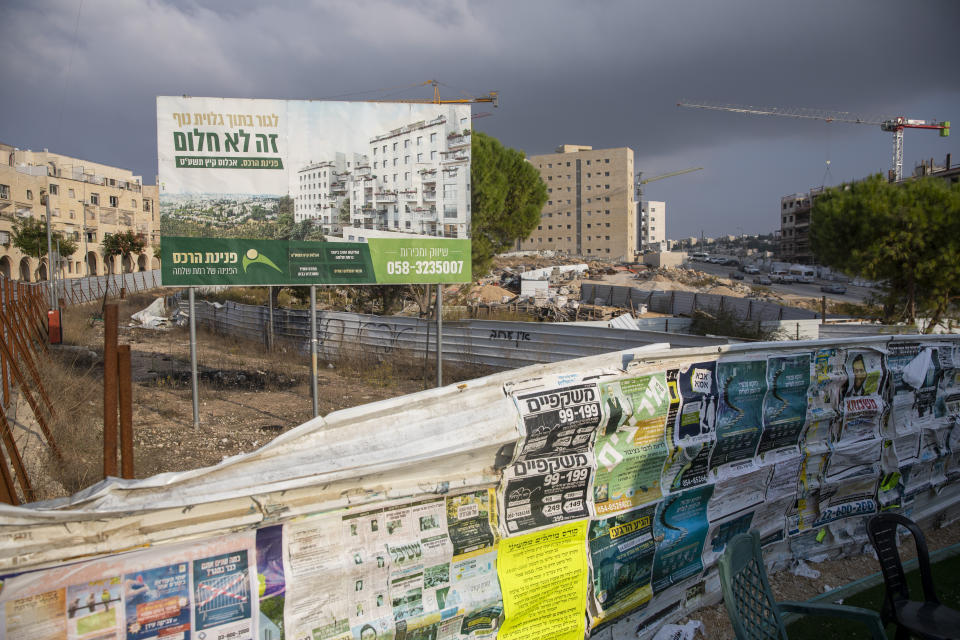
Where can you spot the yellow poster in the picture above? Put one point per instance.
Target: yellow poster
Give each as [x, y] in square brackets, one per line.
[543, 577]
[38, 617]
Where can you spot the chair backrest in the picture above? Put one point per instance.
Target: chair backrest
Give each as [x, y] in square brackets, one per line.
[746, 591]
[882, 530]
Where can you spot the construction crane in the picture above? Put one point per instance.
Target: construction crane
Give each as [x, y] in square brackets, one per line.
[493, 97]
[894, 125]
[641, 181]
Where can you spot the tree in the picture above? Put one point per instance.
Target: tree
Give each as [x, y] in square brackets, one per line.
[30, 237]
[121, 244]
[507, 195]
[905, 235]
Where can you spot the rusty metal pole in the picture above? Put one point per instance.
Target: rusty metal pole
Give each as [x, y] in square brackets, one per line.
[126, 411]
[110, 390]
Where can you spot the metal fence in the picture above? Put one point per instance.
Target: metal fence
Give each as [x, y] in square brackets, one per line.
[80, 290]
[684, 303]
[502, 345]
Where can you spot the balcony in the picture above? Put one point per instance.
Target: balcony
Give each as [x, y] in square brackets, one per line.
[430, 195]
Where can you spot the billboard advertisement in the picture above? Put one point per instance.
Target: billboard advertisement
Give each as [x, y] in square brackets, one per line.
[295, 192]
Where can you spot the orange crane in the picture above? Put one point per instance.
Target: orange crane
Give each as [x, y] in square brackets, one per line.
[894, 125]
[493, 97]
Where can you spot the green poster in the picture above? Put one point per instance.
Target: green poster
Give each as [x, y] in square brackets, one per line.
[631, 449]
[235, 261]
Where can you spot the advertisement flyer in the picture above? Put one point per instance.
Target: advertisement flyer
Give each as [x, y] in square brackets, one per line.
[947, 407]
[828, 384]
[856, 496]
[722, 531]
[549, 480]
[259, 191]
[621, 554]
[157, 602]
[688, 458]
[271, 583]
[785, 403]
[864, 410]
[221, 596]
[469, 522]
[680, 531]
[630, 455]
[37, 617]
[698, 389]
[742, 386]
[95, 610]
[544, 578]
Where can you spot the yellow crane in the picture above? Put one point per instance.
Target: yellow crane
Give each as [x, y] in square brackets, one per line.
[492, 97]
[641, 181]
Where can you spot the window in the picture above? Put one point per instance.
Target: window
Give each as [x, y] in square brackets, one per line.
[374, 162]
[133, 203]
[29, 194]
[540, 228]
[54, 190]
[419, 141]
[607, 160]
[5, 191]
[72, 194]
[384, 148]
[73, 214]
[395, 160]
[394, 146]
[114, 201]
[420, 157]
[406, 143]
[95, 198]
[56, 212]
[606, 173]
[374, 151]
[406, 159]
[433, 154]
[91, 236]
[588, 225]
[433, 137]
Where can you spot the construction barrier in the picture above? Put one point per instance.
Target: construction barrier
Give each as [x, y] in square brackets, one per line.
[592, 495]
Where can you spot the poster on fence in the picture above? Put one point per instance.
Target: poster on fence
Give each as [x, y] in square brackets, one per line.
[693, 406]
[621, 555]
[544, 580]
[198, 590]
[288, 192]
[549, 480]
[631, 450]
[742, 385]
[680, 531]
[784, 405]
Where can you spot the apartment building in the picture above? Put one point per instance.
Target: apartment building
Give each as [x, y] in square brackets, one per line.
[412, 179]
[652, 224]
[88, 200]
[795, 226]
[590, 210]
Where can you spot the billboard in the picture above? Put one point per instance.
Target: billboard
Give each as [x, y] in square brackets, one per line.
[289, 192]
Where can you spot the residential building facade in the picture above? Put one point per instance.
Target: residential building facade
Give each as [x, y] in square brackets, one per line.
[795, 226]
[591, 210]
[653, 224]
[88, 201]
[413, 179]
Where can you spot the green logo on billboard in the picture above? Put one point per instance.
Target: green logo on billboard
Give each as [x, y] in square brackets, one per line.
[252, 256]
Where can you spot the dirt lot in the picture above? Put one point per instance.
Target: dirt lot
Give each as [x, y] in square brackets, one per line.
[248, 396]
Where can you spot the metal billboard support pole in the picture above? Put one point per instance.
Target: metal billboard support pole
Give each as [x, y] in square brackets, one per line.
[194, 385]
[313, 350]
[439, 335]
[270, 311]
[53, 294]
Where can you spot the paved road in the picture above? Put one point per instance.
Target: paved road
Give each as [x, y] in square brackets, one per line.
[853, 294]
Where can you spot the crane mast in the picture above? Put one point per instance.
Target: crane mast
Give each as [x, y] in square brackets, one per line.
[894, 125]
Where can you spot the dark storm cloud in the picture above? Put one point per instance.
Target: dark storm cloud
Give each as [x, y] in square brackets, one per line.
[605, 73]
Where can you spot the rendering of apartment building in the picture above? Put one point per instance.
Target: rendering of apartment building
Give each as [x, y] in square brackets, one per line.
[413, 179]
[87, 201]
[590, 210]
[652, 224]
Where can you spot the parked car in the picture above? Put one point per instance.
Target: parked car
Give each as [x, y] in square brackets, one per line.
[833, 288]
[732, 262]
[751, 270]
[762, 280]
[734, 275]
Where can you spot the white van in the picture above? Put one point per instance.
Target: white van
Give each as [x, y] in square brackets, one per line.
[781, 276]
[803, 274]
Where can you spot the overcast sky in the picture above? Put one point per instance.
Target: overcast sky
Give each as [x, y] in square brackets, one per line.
[81, 78]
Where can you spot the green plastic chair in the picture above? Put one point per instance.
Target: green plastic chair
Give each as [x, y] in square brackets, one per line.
[753, 612]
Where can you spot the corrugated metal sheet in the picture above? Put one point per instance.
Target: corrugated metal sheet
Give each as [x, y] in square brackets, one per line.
[502, 345]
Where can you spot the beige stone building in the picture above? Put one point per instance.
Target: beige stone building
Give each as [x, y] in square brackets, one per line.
[591, 210]
[87, 201]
